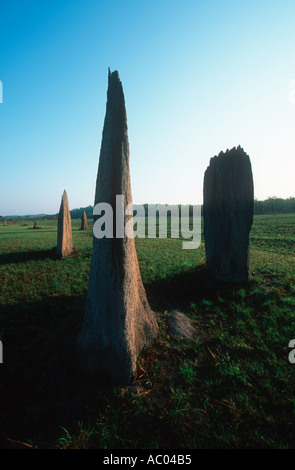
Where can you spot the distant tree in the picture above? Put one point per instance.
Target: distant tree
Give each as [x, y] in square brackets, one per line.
[274, 205]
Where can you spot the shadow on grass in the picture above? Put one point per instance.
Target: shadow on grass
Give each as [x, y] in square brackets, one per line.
[179, 291]
[41, 385]
[20, 232]
[34, 255]
[22, 257]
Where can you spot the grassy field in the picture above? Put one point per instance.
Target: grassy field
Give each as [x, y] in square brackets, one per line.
[231, 388]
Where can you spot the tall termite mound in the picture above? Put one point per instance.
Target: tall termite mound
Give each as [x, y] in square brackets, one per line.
[118, 320]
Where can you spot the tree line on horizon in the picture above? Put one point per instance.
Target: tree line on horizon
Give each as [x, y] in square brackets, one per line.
[271, 205]
[274, 205]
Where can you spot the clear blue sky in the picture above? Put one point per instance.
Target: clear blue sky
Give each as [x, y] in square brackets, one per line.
[198, 76]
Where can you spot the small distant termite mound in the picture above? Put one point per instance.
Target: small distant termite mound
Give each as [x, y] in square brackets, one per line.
[84, 222]
[64, 228]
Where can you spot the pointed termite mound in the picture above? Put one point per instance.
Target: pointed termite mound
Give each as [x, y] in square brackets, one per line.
[118, 320]
[228, 215]
[64, 228]
[84, 222]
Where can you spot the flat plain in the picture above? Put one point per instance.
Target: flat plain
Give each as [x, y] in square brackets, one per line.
[233, 387]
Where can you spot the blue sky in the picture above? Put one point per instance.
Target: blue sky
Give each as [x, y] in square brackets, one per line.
[198, 76]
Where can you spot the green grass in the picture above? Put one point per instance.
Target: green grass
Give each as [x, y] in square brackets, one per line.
[231, 388]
